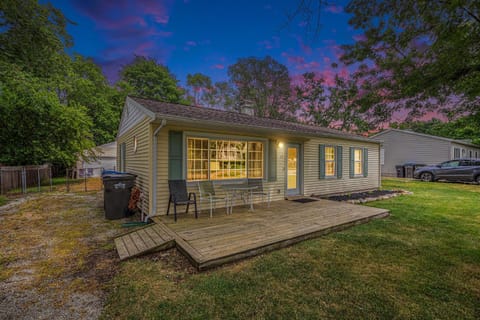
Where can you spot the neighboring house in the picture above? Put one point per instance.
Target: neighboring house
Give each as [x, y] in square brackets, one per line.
[159, 141]
[402, 146]
[105, 159]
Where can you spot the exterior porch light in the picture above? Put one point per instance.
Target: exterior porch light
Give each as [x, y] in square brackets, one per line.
[280, 145]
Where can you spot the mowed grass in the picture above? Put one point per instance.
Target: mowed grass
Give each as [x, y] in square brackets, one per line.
[3, 200]
[422, 262]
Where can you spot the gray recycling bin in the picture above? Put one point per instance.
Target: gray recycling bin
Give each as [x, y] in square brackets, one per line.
[116, 194]
[400, 171]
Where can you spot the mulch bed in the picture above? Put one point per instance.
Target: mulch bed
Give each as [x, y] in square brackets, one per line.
[362, 197]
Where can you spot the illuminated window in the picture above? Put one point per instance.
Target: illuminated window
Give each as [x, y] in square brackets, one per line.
[358, 162]
[330, 161]
[255, 160]
[228, 159]
[212, 159]
[197, 159]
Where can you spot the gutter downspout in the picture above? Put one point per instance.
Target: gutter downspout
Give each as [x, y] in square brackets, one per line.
[153, 210]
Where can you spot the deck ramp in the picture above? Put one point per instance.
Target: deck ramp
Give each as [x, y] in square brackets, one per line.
[154, 237]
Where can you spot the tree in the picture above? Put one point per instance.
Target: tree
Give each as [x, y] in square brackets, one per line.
[263, 84]
[201, 88]
[311, 99]
[343, 105]
[88, 87]
[34, 36]
[467, 128]
[36, 128]
[423, 54]
[223, 95]
[146, 78]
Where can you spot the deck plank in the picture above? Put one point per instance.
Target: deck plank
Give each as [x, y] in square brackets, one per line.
[209, 242]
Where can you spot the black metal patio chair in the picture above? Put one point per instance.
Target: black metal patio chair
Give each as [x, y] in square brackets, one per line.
[180, 196]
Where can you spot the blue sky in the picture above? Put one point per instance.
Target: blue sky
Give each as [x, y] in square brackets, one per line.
[192, 36]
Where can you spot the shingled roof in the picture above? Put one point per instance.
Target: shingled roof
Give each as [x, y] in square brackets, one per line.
[167, 111]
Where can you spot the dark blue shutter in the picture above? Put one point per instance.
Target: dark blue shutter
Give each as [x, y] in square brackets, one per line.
[352, 162]
[339, 162]
[321, 161]
[175, 155]
[272, 160]
[365, 162]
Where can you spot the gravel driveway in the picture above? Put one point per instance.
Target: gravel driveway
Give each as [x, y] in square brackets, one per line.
[57, 257]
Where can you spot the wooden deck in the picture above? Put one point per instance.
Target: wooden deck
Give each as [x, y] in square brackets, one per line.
[154, 237]
[225, 238]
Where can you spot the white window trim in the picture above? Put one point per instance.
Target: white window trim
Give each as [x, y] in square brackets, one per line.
[213, 136]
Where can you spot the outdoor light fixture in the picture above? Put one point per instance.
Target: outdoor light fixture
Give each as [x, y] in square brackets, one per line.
[280, 144]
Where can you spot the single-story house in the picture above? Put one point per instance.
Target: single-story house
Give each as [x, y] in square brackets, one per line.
[404, 146]
[159, 141]
[105, 159]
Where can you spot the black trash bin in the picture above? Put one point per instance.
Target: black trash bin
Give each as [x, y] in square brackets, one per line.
[410, 168]
[400, 171]
[116, 194]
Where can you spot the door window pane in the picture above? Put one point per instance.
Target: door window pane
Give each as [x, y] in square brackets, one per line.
[292, 168]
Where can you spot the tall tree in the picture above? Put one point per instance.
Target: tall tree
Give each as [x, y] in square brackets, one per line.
[34, 36]
[146, 78]
[37, 128]
[88, 87]
[201, 88]
[342, 105]
[223, 95]
[311, 98]
[264, 85]
[424, 53]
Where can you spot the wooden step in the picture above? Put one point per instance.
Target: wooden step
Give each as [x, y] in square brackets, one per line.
[143, 241]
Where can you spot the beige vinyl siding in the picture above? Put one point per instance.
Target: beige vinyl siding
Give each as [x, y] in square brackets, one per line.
[332, 185]
[277, 187]
[138, 162]
[401, 147]
[131, 116]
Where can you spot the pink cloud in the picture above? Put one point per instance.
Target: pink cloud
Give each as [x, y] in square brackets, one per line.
[142, 49]
[218, 66]
[334, 9]
[269, 44]
[129, 27]
[359, 37]
[191, 43]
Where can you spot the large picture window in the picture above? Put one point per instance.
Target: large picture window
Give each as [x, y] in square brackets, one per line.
[215, 159]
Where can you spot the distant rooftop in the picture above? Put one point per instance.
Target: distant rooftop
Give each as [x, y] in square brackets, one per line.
[466, 142]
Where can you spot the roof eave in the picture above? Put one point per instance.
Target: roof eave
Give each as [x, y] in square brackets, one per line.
[266, 129]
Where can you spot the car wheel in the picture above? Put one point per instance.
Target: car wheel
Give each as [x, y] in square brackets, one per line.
[426, 176]
[477, 179]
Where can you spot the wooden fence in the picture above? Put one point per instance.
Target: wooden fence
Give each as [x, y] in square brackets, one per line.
[23, 179]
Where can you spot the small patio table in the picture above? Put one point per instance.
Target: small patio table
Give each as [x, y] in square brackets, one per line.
[241, 189]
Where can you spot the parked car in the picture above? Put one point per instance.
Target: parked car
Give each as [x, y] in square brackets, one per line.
[453, 170]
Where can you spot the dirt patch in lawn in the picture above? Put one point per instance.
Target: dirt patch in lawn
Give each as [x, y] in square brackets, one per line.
[362, 197]
[57, 257]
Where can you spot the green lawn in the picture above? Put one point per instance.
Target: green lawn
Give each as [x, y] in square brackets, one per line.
[3, 200]
[422, 262]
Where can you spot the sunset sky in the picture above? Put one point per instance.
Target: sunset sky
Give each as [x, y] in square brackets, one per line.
[203, 36]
